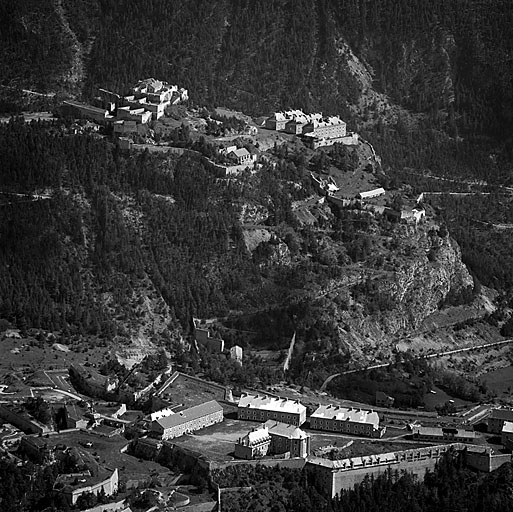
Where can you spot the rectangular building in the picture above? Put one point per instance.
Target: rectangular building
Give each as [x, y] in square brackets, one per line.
[16, 415]
[369, 194]
[91, 382]
[139, 115]
[507, 435]
[254, 444]
[497, 418]
[328, 128]
[241, 156]
[263, 408]
[100, 115]
[276, 122]
[446, 434]
[332, 476]
[190, 420]
[273, 438]
[288, 438]
[348, 421]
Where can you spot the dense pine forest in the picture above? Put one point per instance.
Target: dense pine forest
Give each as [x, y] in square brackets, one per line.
[448, 60]
[183, 232]
[446, 65]
[95, 240]
[444, 69]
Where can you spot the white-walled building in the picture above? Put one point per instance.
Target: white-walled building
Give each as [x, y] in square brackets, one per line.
[369, 194]
[263, 408]
[190, 420]
[346, 420]
[507, 435]
[236, 353]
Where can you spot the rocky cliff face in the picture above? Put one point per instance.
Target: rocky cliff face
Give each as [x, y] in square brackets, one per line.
[423, 283]
[373, 307]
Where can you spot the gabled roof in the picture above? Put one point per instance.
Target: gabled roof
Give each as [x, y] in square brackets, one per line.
[279, 116]
[374, 192]
[255, 437]
[271, 403]
[282, 429]
[333, 412]
[198, 411]
[239, 153]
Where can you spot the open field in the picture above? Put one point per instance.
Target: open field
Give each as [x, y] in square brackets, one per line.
[190, 392]
[23, 354]
[432, 400]
[358, 447]
[217, 442]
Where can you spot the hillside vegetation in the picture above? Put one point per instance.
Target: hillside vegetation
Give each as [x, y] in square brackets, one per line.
[426, 82]
[447, 60]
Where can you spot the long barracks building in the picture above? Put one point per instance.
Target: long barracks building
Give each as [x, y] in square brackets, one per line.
[190, 420]
[263, 408]
[348, 421]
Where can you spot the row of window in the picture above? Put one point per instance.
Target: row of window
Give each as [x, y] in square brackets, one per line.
[262, 415]
[341, 425]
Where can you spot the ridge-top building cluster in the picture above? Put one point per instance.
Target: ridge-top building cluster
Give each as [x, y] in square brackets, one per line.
[315, 129]
[131, 113]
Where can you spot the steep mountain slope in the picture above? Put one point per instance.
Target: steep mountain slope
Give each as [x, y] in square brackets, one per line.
[449, 61]
[132, 247]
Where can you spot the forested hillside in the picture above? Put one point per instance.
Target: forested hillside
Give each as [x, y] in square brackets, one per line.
[428, 83]
[448, 60]
[103, 229]
[107, 221]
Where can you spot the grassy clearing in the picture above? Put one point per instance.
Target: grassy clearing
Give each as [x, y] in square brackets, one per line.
[190, 392]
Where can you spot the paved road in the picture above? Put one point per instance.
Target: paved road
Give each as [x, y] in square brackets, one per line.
[428, 356]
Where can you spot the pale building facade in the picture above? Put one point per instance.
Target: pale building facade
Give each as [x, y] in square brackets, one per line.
[263, 408]
[333, 418]
[190, 420]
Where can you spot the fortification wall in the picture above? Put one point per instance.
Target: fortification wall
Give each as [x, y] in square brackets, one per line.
[347, 479]
[485, 461]
[344, 474]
